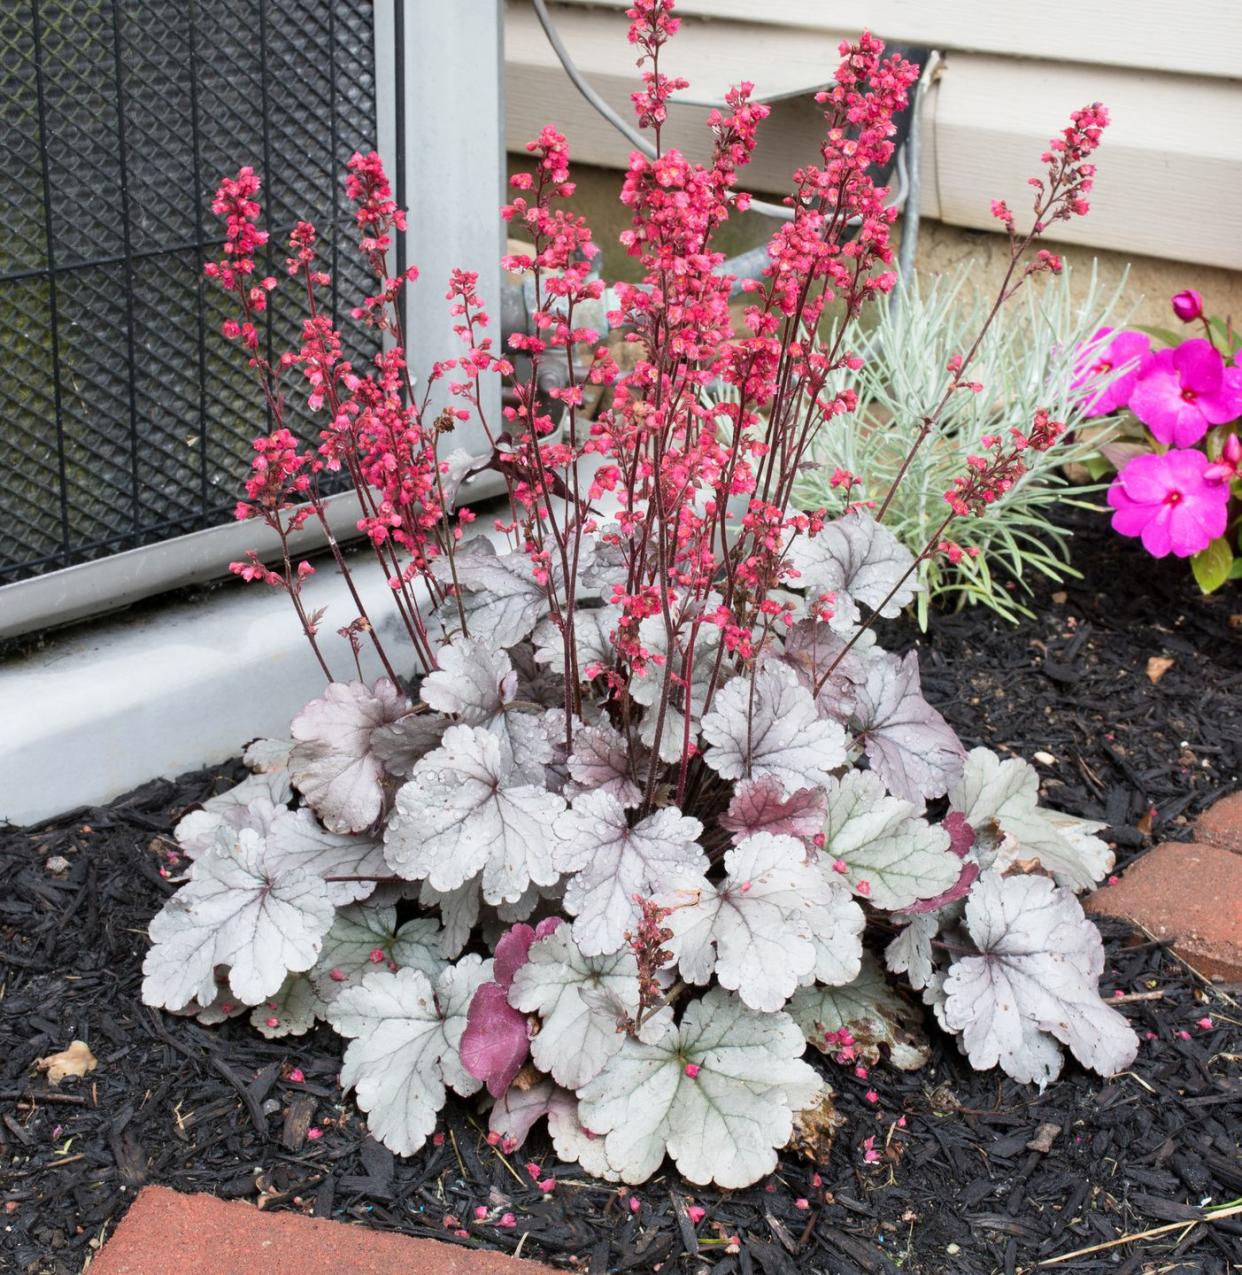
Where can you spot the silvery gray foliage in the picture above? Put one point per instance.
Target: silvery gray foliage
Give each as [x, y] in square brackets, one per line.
[714, 837]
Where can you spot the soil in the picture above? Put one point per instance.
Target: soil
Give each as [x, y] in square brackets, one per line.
[957, 1189]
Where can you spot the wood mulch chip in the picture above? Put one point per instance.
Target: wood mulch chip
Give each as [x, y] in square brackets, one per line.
[983, 1176]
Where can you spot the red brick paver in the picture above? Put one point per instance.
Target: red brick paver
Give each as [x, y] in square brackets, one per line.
[165, 1233]
[1222, 825]
[1190, 892]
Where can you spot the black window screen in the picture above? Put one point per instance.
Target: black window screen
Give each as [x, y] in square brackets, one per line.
[125, 416]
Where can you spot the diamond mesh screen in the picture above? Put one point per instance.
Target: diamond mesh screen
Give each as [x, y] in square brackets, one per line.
[125, 416]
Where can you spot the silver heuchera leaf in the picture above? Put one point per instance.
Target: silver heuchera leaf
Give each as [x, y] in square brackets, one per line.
[760, 805]
[858, 560]
[253, 804]
[295, 840]
[573, 1141]
[811, 649]
[1000, 800]
[870, 1011]
[473, 682]
[646, 689]
[499, 592]
[236, 911]
[268, 755]
[364, 938]
[837, 934]
[459, 912]
[401, 744]
[613, 862]
[601, 761]
[332, 763]
[908, 743]
[910, 953]
[892, 856]
[717, 1093]
[466, 811]
[754, 929]
[455, 469]
[1036, 978]
[772, 729]
[575, 1039]
[593, 627]
[293, 1011]
[405, 1050]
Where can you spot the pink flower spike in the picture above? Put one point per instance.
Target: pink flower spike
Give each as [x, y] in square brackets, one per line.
[802, 1203]
[863, 888]
[1182, 1034]
[273, 1021]
[1205, 1023]
[507, 1220]
[696, 1213]
[839, 865]
[534, 1170]
[1169, 503]
[314, 1133]
[872, 1096]
[480, 1211]
[378, 956]
[861, 1072]
[548, 1185]
[692, 1070]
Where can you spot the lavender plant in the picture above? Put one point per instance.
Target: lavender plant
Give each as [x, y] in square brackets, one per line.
[612, 851]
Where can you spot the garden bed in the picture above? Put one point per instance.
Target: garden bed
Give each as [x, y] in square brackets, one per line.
[956, 1187]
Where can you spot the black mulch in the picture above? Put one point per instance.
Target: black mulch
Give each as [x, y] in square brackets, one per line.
[957, 1188]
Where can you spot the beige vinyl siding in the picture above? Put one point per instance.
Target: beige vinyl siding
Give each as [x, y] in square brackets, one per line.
[1170, 181]
[1199, 37]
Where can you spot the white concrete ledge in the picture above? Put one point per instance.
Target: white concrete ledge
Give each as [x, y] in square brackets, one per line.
[103, 708]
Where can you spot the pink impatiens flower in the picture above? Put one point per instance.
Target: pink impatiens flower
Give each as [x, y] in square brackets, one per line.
[1099, 358]
[1182, 393]
[1170, 503]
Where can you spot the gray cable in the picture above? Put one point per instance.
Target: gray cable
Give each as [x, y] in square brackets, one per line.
[913, 157]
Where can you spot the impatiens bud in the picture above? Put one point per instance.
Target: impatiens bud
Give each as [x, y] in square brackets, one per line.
[1188, 305]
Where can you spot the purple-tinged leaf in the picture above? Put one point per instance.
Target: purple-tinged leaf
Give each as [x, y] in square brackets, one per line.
[333, 764]
[1034, 982]
[760, 805]
[908, 743]
[513, 948]
[961, 834]
[495, 1044]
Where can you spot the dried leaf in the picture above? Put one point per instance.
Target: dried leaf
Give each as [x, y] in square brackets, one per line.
[76, 1060]
[1158, 666]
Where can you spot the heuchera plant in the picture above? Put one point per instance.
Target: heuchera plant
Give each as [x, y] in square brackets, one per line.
[1179, 461]
[612, 851]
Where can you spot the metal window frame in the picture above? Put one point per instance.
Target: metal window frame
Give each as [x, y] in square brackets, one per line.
[425, 123]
